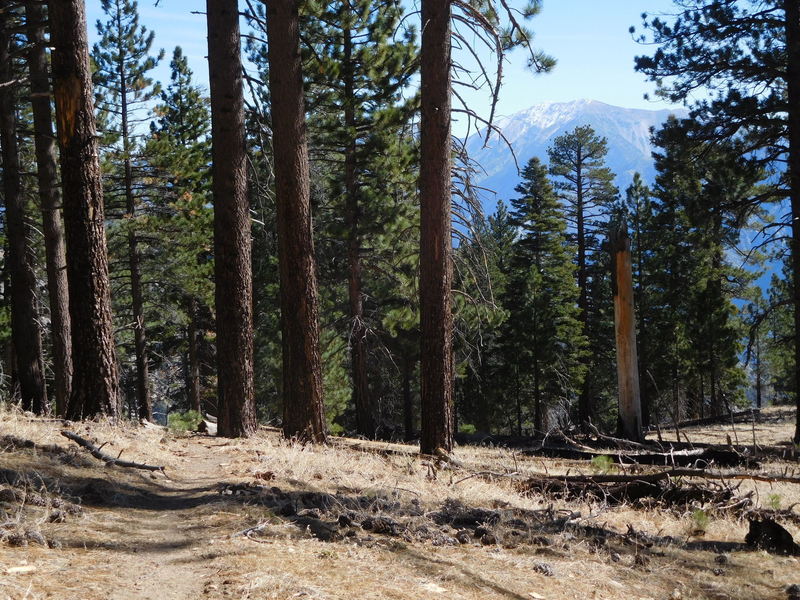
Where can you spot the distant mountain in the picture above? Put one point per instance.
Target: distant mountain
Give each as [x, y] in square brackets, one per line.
[531, 131]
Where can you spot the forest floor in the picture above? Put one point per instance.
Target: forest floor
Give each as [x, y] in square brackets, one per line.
[265, 518]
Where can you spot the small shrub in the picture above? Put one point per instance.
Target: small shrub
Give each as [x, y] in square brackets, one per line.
[603, 463]
[699, 522]
[774, 501]
[467, 428]
[184, 421]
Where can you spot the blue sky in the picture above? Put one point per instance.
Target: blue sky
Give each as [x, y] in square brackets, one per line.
[589, 39]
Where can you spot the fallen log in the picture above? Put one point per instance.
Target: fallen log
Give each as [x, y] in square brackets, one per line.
[742, 416]
[672, 486]
[109, 460]
[661, 475]
[682, 458]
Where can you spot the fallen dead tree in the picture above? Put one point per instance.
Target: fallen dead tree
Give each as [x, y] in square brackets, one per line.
[723, 457]
[106, 458]
[671, 487]
[742, 416]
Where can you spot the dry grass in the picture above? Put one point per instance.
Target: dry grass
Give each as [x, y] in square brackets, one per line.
[141, 535]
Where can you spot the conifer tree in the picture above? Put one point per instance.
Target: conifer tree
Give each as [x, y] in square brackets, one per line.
[123, 59]
[585, 185]
[179, 154]
[94, 380]
[543, 328]
[302, 371]
[50, 199]
[25, 331]
[750, 60]
[232, 241]
[358, 74]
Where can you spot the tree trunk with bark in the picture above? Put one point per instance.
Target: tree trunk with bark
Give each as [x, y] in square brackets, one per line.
[365, 418]
[50, 200]
[792, 10]
[143, 399]
[25, 332]
[303, 411]
[408, 405]
[232, 242]
[94, 381]
[630, 411]
[194, 356]
[436, 268]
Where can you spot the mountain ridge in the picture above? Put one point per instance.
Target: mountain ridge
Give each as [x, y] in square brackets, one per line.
[531, 130]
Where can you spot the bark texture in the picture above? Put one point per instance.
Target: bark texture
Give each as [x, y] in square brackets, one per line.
[94, 382]
[232, 242]
[25, 332]
[303, 413]
[50, 200]
[630, 411]
[194, 358]
[792, 10]
[436, 268]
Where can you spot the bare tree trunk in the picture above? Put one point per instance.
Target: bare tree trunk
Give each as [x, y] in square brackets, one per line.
[759, 368]
[538, 409]
[25, 332]
[194, 359]
[630, 411]
[584, 401]
[435, 262]
[408, 408]
[50, 199]
[303, 413]
[792, 10]
[94, 381]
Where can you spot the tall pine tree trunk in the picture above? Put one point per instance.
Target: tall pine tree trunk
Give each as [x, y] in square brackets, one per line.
[365, 421]
[143, 399]
[303, 413]
[435, 261]
[50, 200]
[25, 332]
[584, 401]
[94, 381]
[792, 10]
[232, 243]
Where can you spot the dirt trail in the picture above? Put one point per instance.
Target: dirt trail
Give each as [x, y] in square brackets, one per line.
[397, 524]
[142, 535]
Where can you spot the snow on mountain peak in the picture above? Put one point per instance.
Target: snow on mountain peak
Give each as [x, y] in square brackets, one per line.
[532, 130]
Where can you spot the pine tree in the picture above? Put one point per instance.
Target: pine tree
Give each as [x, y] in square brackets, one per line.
[750, 61]
[232, 242]
[357, 75]
[179, 154]
[50, 199]
[543, 328]
[94, 380]
[123, 60]
[302, 371]
[24, 325]
[585, 185]
[701, 193]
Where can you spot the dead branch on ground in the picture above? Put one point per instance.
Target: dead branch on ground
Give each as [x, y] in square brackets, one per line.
[106, 458]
